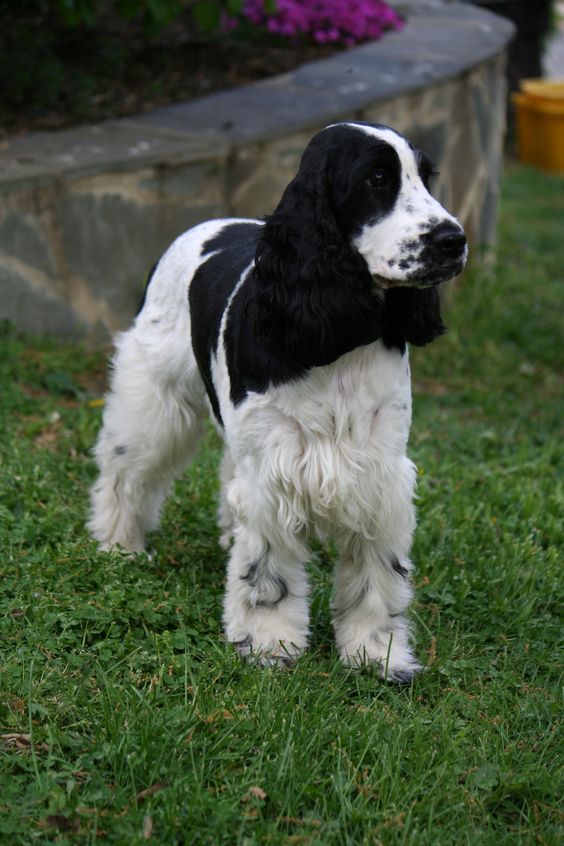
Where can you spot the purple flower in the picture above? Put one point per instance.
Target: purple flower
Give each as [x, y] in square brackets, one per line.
[324, 21]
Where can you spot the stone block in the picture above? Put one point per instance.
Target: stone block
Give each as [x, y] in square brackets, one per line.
[21, 237]
[198, 183]
[113, 230]
[27, 302]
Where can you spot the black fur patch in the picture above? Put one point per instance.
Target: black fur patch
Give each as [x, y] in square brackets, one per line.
[250, 575]
[309, 298]
[412, 315]
[213, 283]
[397, 567]
[282, 595]
[253, 574]
[315, 297]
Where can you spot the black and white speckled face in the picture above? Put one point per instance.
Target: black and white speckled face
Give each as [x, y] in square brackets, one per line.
[404, 234]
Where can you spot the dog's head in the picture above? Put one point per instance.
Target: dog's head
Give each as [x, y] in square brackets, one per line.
[380, 193]
[357, 244]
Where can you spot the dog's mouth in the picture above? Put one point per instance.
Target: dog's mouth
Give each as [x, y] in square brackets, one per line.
[423, 277]
[438, 273]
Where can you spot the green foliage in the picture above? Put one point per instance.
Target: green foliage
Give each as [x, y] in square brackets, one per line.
[61, 51]
[123, 713]
[207, 13]
[75, 12]
[156, 13]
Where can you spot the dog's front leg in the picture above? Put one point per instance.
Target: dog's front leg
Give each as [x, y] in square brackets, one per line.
[266, 614]
[372, 593]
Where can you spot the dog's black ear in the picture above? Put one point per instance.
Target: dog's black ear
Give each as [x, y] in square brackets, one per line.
[412, 315]
[313, 297]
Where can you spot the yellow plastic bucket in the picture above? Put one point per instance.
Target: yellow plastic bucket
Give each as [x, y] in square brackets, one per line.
[540, 123]
[545, 89]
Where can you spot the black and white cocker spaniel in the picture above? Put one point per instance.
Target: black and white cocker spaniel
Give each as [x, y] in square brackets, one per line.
[293, 331]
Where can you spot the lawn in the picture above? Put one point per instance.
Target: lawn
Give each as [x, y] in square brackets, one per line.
[125, 719]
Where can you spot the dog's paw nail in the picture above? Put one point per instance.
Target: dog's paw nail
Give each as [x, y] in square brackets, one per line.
[404, 676]
[281, 662]
[225, 540]
[243, 646]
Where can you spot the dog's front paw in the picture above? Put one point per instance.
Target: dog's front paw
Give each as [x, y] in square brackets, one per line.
[393, 658]
[394, 673]
[268, 655]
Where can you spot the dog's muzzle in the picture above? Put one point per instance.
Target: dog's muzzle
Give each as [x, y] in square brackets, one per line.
[443, 255]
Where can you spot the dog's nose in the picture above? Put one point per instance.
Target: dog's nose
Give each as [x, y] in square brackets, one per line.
[449, 238]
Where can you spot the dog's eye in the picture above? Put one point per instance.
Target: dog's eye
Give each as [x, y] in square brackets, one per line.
[378, 179]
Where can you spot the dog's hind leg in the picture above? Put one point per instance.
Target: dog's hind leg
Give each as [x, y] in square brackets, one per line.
[152, 425]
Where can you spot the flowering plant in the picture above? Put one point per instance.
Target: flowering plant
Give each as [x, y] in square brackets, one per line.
[325, 21]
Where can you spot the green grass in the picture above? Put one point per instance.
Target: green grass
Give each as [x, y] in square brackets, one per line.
[125, 719]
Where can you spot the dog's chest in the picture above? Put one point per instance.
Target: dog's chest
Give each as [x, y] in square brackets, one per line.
[329, 444]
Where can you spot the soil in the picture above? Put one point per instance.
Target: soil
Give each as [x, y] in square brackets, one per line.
[113, 71]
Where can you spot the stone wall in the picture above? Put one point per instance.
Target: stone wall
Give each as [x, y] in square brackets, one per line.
[84, 213]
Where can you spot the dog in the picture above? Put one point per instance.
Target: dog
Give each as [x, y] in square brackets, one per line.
[293, 332]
